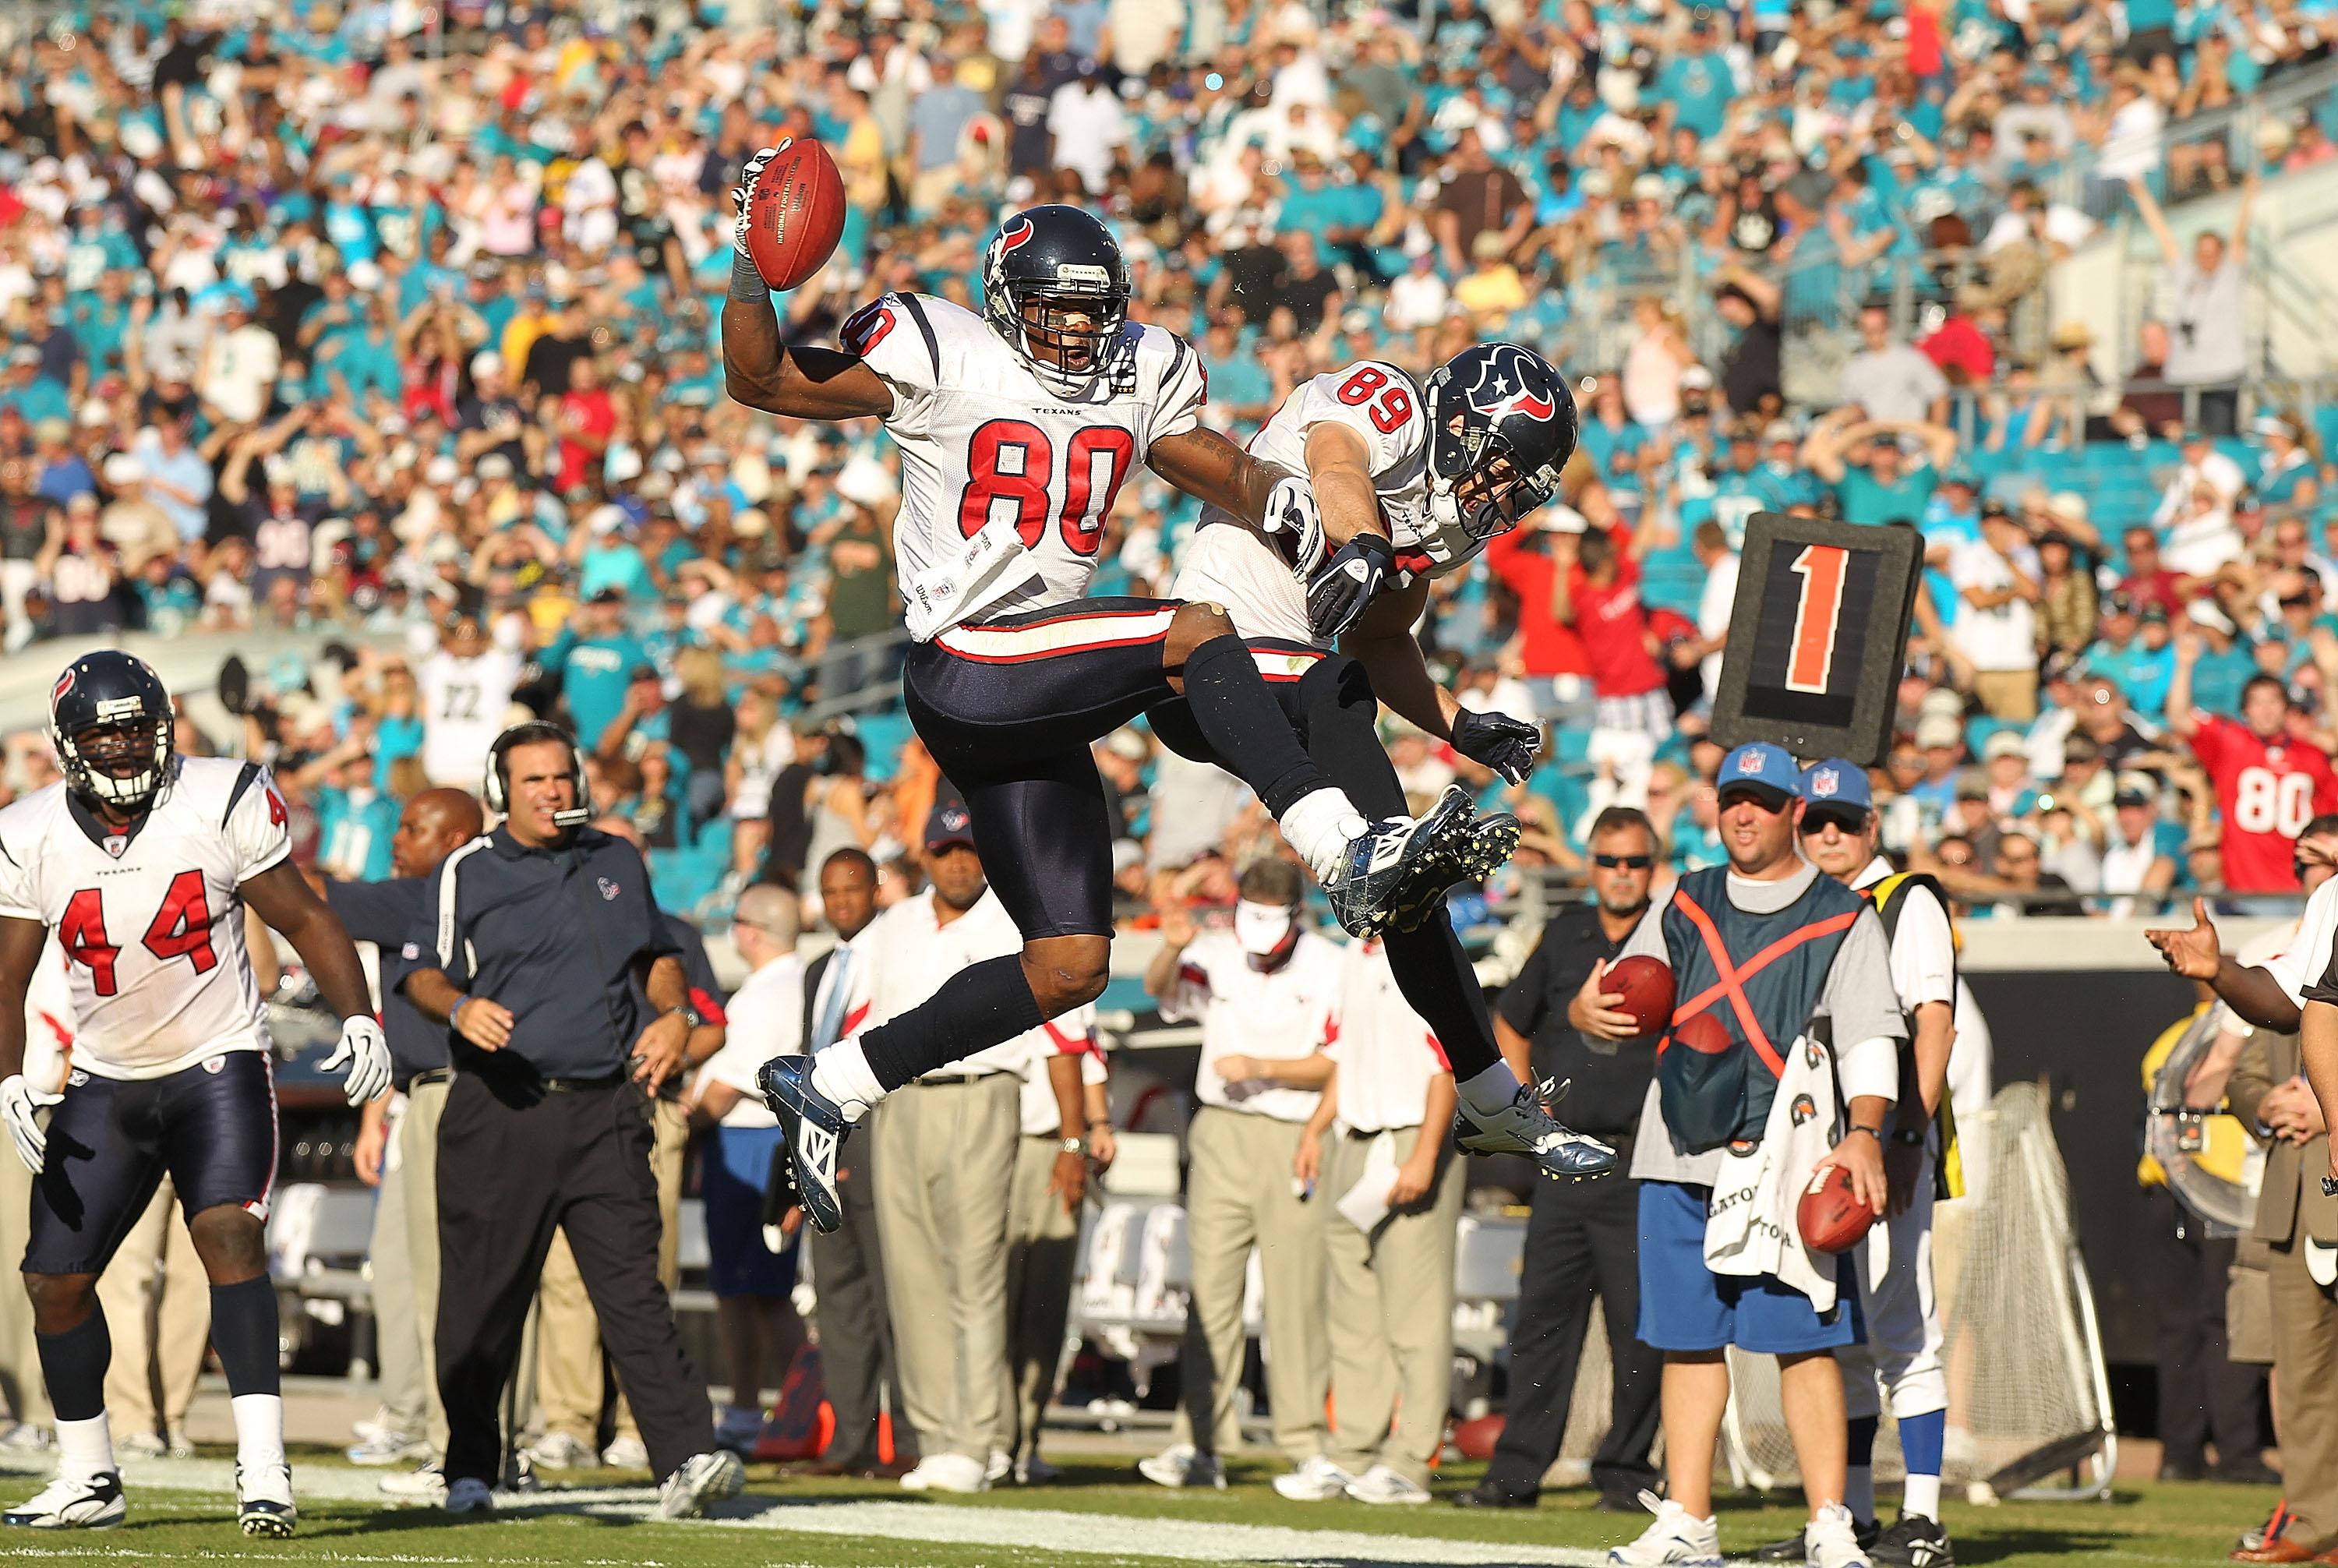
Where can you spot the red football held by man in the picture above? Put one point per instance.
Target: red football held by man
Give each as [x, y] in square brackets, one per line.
[1832, 1216]
[796, 214]
[1645, 983]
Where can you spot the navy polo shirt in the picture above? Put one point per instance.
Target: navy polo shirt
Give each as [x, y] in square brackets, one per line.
[384, 913]
[553, 935]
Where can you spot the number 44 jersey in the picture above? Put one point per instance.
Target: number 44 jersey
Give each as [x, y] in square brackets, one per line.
[984, 441]
[152, 919]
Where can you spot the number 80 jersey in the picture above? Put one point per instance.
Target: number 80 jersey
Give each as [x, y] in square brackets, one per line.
[152, 920]
[983, 439]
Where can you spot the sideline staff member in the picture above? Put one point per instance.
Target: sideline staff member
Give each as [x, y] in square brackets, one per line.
[535, 931]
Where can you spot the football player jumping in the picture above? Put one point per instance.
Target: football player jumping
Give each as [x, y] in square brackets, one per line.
[142, 860]
[1411, 483]
[1016, 429]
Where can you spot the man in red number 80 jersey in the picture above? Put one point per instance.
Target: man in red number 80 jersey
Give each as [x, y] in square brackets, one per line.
[2269, 783]
[1017, 428]
[141, 861]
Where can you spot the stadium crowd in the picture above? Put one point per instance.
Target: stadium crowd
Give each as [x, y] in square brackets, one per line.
[317, 321]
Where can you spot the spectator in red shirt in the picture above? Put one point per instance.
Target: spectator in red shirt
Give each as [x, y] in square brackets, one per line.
[1599, 596]
[2147, 581]
[1557, 671]
[1961, 350]
[587, 419]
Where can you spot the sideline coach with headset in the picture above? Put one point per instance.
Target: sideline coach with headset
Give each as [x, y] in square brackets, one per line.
[527, 949]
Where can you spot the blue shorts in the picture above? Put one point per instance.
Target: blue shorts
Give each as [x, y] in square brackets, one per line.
[1685, 1306]
[737, 1163]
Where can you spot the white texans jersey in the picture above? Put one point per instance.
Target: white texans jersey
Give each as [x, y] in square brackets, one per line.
[1232, 563]
[152, 920]
[1383, 405]
[984, 440]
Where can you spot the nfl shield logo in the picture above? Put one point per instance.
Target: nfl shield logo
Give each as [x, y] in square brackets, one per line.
[1824, 782]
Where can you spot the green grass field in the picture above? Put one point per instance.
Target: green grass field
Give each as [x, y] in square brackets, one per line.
[1101, 1515]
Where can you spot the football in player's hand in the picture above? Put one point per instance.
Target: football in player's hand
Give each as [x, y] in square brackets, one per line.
[1645, 983]
[1832, 1216]
[796, 214]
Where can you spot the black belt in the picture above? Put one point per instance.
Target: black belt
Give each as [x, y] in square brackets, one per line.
[576, 1085]
[431, 1075]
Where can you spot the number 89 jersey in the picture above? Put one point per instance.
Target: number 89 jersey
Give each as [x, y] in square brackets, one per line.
[151, 920]
[982, 439]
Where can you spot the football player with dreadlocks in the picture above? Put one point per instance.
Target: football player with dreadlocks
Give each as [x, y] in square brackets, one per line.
[1017, 428]
[142, 861]
[1410, 483]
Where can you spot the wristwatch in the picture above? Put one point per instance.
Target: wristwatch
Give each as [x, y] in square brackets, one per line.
[1908, 1135]
[688, 1015]
[1074, 1146]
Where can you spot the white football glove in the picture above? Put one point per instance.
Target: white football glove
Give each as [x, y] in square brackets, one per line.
[19, 1103]
[744, 191]
[364, 1050]
[1291, 509]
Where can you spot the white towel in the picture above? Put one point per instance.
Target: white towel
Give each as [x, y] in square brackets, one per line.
[1750, 1225]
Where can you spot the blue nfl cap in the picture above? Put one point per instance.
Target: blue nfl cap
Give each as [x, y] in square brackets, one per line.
[1761, 767]
[1835, 782]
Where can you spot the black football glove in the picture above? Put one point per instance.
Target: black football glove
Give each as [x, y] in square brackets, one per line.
[1498, 741]
[1349, 581]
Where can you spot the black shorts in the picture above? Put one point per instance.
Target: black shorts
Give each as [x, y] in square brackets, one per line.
[212, 1126]
[1008, 707]
[1329, 700]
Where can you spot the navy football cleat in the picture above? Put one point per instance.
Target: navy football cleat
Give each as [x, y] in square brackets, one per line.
[1395, 876]
[82, 1502]
[1526, 1126]
[815, 1128]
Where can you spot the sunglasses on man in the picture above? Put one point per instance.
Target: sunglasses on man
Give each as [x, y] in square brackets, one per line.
[1623, 862]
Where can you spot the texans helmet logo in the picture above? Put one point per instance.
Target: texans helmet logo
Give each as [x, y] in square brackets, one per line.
[63, 685]
[1501, 389]
[1015, 233]
[608, 889]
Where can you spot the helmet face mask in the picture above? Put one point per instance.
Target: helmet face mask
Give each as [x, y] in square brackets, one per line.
[1502, 425]
[1056, 286]
[114, 728]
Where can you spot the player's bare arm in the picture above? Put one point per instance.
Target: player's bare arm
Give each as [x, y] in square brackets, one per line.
[800, 383]
[1216, 472]
[283, 899]
[1382, 640]
[1339, 471]
[19, 955]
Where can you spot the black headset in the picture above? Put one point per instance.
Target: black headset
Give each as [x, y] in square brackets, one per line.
[494, 789]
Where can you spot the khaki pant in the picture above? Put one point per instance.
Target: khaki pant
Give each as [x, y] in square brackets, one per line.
[2305, 1367]
[1389, 1300]
[2008, 693]
[417, 1152]
[157, 1302]
[398, 1338]
[1043, 1243]
[20, 1354]
[568, 1384]
[948, 1151]
[1239, 1196]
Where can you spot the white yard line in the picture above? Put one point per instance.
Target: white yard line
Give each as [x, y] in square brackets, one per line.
[1029, 1529]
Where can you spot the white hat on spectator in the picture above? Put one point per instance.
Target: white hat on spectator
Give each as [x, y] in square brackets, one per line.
[1596, 183]
[122, 468]
[1562, 519]
[442, 470]
[1780, 430]
[487, 362]
[1941, 700]
[865, 480]
[1020, 189]
[2004, 743]
[1127, 745]
[493, 465]
[1648, 188]
[1696, 379]
[276, 468]
[1938, 729]
[365, 277]
[2068, 505]
[624, 463]
[2135, 788]
[606, 518]
[2204, 612]
[421, 641]
[94, 415]
[141, 140]
[751, 524]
